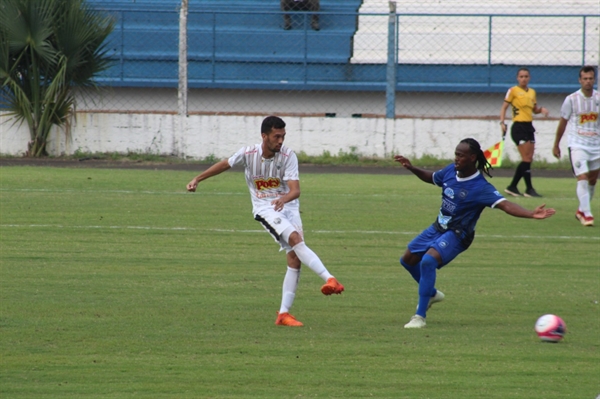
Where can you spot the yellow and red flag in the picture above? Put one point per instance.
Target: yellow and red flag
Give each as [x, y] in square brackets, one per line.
[494, 154]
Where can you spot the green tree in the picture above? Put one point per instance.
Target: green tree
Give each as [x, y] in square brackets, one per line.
[49, 49]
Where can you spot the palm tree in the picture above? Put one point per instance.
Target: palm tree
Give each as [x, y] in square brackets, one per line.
[47, 49]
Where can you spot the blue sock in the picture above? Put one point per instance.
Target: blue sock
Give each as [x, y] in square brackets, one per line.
[415, 271]
[427, 289]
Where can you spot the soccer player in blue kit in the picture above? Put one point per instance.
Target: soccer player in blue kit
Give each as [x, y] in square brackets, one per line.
[465, 193]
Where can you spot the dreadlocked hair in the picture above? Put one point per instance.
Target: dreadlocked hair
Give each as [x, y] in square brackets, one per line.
[481, 163]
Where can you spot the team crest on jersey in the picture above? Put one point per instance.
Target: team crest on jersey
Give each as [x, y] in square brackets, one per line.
[589, 117]
[278, 165]
[276, 221]
[449, 192]
[462, 194]
[265, 184]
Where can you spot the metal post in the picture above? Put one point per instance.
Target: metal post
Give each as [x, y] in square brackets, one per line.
[489, 56]
[583, 43]
[122, 55]
[182, 101]
[305, 62]
[390, 92]
[213, 56]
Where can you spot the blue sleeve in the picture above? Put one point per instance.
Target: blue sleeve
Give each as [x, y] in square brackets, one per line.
[489, 196]
[440, 175]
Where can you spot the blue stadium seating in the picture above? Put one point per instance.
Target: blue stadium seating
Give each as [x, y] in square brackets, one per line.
[145, 40]
[241, 44]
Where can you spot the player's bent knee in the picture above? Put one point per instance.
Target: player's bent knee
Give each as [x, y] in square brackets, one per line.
[583, 176]
[292, 237]
[410, 259]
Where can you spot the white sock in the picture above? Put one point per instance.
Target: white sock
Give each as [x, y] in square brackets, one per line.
[592, 190]
[290, 284]
[583, 193]
[310, 259]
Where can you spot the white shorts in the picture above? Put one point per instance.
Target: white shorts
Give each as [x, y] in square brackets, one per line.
[281, 224]
[583, 161]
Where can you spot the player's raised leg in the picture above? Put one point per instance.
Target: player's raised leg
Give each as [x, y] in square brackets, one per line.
[310, 259]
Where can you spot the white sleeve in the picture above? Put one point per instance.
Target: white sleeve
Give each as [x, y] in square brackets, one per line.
[238, 158]
[291, 167]
[566, 109]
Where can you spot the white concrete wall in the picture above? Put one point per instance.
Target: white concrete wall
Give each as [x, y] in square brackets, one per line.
[200, 136]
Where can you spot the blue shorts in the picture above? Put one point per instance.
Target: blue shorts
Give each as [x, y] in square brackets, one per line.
[448, 244]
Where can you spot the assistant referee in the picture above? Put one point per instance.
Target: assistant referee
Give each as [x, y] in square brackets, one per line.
[524, 104]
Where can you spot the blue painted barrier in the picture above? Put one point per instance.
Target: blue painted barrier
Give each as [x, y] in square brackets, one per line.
[241, 44]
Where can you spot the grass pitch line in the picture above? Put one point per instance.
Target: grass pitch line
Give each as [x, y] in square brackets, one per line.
[52, 190]
[230, 193]
[242, 231]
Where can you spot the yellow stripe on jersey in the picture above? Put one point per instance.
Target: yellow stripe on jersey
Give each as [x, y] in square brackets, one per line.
[522, 103]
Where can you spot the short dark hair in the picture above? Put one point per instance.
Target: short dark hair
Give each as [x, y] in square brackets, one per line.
[523, 69]
[270, 123]
[586, 69]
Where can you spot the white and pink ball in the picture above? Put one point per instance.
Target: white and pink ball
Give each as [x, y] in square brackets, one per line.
[550, 328]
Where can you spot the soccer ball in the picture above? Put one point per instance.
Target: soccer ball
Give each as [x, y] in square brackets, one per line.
[550, 328]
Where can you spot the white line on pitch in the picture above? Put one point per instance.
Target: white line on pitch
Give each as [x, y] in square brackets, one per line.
[49, 190]
[229, 193]
[263, 231]
[199, 192]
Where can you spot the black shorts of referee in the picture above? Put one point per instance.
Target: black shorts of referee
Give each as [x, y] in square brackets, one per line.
[522, 132]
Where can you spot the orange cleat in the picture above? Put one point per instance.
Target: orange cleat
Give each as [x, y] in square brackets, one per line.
[286, 319]
[332, 286]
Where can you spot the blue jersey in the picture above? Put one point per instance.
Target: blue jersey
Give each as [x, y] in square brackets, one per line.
[463, 200]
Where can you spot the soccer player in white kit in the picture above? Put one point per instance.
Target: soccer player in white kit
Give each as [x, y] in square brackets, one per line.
[579, 117]
[272, 176]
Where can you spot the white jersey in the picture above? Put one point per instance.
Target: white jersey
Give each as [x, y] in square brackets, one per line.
[583, 128]
[267, 178]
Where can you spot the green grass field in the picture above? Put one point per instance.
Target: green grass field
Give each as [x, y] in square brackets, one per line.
[119, 284]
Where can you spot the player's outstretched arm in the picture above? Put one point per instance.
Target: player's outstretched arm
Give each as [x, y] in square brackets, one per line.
[518, 211]
[214, 170]
[425, 175]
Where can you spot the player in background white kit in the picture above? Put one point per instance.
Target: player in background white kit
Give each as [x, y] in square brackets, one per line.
[272, 177]
[579, 117]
